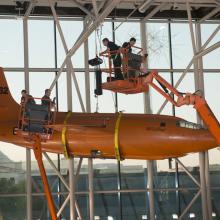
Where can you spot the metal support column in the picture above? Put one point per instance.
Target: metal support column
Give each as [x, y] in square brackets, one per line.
[72, 189]
[87, 75]
[151, 188]
[147, 110]
[204, 168]
[203, 186]
[71, 159]
[28, 152]
[208, 187]
[91, 189]
[88, 109]
[118, 162]
[174, 113]
[146, 96]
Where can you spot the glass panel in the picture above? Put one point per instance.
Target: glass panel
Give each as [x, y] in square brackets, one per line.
[133, 174]
[62, 93]
[209, 60]
[134, 205]
[11, 43]
[41, 43]
[158, 45]
[39, 82]
[40, 208]
[216, 202]
[105, 175]
[71, 31]
[127, 30]
[13, 208]
[181, 45]
[81, 82]
[12, 168]
[211, 83]
[15, 82]
[107, 206]
[167, 205]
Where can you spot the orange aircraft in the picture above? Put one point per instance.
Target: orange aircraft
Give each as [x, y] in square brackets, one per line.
[104, 135]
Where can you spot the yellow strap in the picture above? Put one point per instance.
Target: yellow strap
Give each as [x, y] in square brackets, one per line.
[117, 151]
[63, 136]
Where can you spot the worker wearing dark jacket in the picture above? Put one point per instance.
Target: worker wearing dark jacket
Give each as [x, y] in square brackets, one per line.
[45, 100]
[111, 46]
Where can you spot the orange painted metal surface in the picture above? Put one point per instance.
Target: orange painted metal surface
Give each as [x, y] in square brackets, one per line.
[131, 86]
[140, 136]
[38, 156]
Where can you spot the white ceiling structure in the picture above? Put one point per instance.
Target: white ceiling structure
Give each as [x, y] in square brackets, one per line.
[132, 8]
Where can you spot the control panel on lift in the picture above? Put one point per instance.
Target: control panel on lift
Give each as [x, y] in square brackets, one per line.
[36, 118]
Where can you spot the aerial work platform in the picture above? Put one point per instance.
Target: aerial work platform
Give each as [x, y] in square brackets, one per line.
[128, 86]
[133, 74]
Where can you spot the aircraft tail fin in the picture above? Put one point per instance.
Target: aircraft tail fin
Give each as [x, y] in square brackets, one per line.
[9, 108]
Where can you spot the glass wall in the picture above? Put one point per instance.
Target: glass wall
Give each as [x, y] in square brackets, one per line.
[109, 175]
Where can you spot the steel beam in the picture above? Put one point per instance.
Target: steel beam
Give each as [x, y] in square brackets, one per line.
[28, 11]
[72, 189]
[203, 186]
[95, 8]
[153, 12]
[85, 36]
[87, 74]
[209, 15]
[204, 171]
[83, 9]
[208, 186]
[146, 95]
[150, 175]
[191, 26]
[91, 189]
[69, 63]
[187, 171]
[28, 151]
[190, 205]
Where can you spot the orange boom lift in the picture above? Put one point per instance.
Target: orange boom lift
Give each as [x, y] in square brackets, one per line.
[140, 83]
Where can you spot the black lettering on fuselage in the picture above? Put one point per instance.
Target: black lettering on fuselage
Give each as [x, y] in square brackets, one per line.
[3, 90]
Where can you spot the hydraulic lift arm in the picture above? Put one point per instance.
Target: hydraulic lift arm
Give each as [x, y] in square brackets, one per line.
[178, 99]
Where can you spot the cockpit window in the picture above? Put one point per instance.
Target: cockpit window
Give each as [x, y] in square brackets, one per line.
[187, 124]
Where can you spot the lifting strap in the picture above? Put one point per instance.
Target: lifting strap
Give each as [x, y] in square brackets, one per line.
[63, 136]
[117, 150]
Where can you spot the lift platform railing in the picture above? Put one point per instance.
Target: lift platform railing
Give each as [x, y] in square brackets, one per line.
[36, 118]
[128, 69]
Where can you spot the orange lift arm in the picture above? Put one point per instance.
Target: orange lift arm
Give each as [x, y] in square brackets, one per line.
[38, 156]
[178, 99]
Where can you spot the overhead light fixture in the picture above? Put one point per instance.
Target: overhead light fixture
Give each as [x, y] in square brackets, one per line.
[144, 6]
